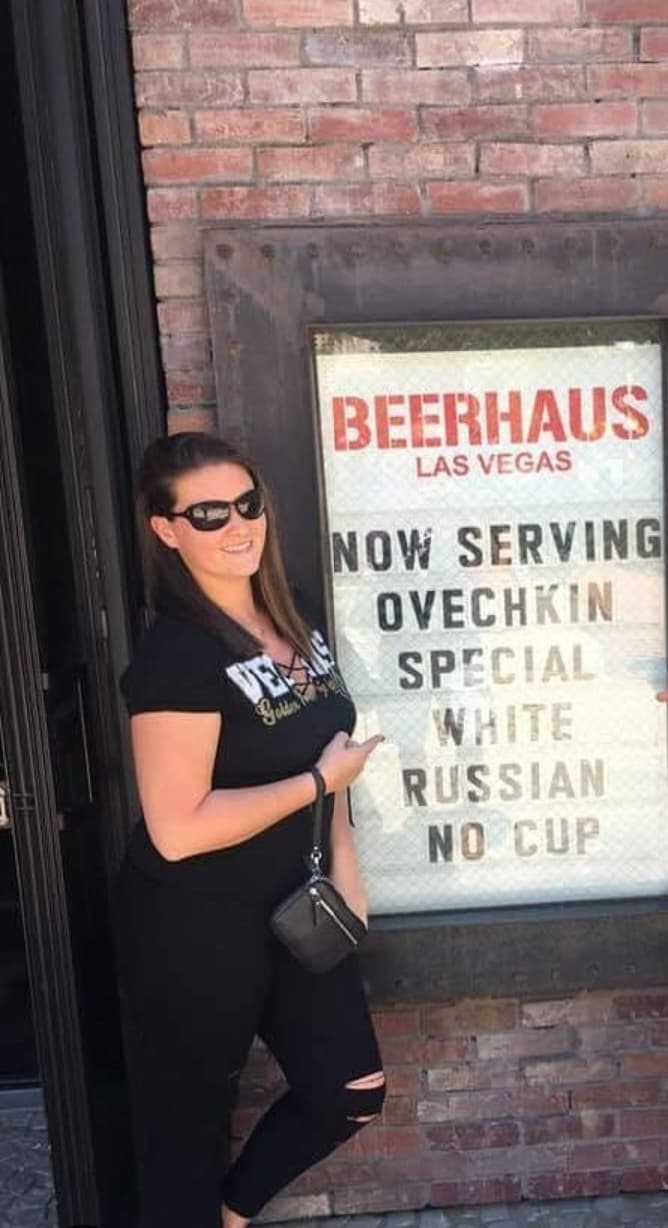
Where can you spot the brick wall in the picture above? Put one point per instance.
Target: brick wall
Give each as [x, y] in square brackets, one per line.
[278, 109]
[498, 1101]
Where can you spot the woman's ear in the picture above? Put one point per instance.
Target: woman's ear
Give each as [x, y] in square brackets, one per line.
[162, 528]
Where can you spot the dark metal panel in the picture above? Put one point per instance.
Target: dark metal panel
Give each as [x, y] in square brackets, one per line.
[35, 829]
[267, 286]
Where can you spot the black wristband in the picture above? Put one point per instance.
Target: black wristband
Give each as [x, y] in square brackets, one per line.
[320, 786]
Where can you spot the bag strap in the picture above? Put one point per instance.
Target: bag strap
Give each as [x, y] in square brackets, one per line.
[315, 856]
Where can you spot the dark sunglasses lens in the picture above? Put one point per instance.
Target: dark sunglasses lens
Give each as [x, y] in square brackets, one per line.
[250, 505]
[209, 516]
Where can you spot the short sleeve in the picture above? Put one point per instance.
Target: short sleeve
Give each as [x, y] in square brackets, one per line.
[175, 668]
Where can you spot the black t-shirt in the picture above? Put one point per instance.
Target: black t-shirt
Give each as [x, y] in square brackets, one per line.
[269, 731]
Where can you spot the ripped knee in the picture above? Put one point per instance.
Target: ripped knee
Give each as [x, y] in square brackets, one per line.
[364, 1098]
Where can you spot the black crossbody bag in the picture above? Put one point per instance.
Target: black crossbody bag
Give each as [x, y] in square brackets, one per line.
[314, 922]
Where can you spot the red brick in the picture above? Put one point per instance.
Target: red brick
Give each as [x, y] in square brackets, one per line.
[654, 117]
[610, 1037]
[575, 1070]
[406, 86]
[402, 1082]
[472, 1075]
[613, 1153]
[164, 128]
[575, 44]
[644, 1064]
[614, 1095]
[311, 162]
[470, 1193]
[182, 353]
[409, 1050]
[586, 119]
[471, 1016]
[243, 49]
[640, 1179]
[472, 123]
[480, 198]
[544, 1186]
[527, 1042]
[200, 419]
[428, 1166]
[440, 1052]
[475, 1136]
[357, 200]
[172, 204]
[174, 89]
[656, 195]
[251, 125]
[529, 84]
[196, 165]
[149, 14]
[586, 1008]
[470, 47]
[251, 202]
[627, 80]
[185, 317]
[395, 1023]
[376, 1198]
[399, 1110]
[298, 12]
[644, 1005]
[362, 124]
[569, 1126]
[634, 1122]
[298, 1206]
[422, 161]
[654, 44]
[302, 85]
[158, 51]
[628, 158]
[359, 47]
[176, 242]
[658, 1032]
[533, 160]
[190, 387]
[178, 280]
[632, 11]
[525, 11]
[414, 12]
[586, 195]
[476, 1106]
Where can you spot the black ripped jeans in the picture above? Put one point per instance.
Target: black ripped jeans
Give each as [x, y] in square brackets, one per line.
[200, 975]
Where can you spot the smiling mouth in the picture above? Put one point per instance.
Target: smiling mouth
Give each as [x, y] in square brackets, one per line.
[240, 548]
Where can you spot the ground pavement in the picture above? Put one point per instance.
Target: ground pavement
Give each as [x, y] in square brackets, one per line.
[26, 1196]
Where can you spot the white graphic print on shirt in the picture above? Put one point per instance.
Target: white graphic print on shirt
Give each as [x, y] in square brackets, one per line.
[274, 693]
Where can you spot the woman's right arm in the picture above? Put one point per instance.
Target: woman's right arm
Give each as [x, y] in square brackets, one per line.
[174, 755]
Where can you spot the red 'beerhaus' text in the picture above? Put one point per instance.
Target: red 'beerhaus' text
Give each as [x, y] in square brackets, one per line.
[458, 419]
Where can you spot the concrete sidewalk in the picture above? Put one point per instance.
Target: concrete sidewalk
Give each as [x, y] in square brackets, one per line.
[27, 1201]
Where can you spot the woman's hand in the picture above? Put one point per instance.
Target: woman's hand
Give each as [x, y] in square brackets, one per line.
[343, 759]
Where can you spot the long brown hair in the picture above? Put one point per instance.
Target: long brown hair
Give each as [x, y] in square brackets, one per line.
[170, 587]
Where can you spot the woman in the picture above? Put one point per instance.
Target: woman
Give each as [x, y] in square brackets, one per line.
[234, 701]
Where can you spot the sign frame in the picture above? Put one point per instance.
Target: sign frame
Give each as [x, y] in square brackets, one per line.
[267, 285]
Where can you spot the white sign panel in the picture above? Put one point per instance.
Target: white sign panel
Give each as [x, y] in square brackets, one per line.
[496, 537]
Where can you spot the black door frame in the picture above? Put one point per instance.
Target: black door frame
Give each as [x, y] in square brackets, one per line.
[89, 220]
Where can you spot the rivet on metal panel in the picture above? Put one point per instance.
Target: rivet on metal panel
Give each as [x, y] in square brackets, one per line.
[485, 247]
[528, 247]
[268, 251]
[443, 251]
[356, 251]
[224, 250]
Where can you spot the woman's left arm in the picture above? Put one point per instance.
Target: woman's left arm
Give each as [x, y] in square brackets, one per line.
[344, 870]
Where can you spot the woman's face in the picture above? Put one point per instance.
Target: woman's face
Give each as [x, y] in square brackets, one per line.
[230, 553]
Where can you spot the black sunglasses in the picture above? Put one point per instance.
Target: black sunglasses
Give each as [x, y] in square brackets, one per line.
[214, 513]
